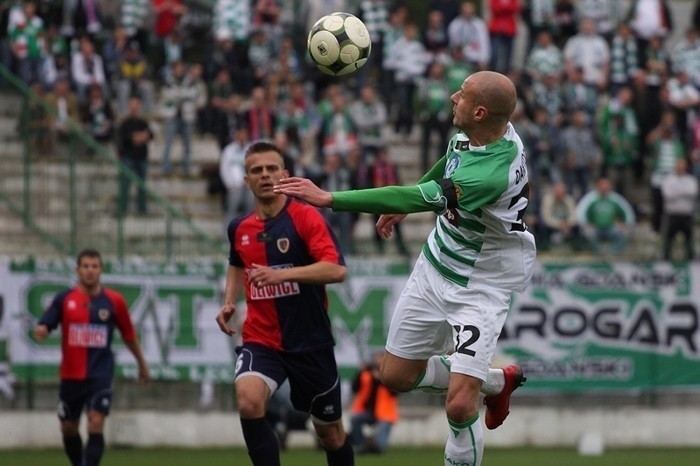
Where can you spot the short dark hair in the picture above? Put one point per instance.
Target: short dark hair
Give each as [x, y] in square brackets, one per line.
[89, 253]
[263, 146]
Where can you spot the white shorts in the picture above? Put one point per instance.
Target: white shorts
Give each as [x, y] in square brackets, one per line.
[437, 316]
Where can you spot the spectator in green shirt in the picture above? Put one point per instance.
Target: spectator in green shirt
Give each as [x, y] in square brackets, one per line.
[606, 217]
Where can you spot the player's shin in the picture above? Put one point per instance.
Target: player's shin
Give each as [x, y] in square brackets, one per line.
[436, 377]
[94, 449]
[73, 446]
[343, 456]
[260, 439]
[465, 443]
[495, 381]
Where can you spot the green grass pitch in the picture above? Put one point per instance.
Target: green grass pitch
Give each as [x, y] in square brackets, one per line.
[428, 456]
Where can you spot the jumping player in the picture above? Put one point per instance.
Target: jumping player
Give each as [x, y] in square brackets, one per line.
[283, 254]
[478, 254]
[88, 314]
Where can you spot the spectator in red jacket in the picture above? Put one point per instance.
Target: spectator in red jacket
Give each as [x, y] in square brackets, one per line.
[168, 14]
[503, 26]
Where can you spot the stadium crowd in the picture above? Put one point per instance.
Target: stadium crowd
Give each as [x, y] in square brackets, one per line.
[605, 100]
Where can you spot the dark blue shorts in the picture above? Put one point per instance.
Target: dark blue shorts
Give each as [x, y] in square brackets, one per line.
[313, 377]
[93, 394]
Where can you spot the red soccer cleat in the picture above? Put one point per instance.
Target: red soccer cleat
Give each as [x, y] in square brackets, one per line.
[497, 405]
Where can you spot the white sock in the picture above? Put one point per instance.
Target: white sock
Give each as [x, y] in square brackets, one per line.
[495, 381]
[436, 377]
[465, 443]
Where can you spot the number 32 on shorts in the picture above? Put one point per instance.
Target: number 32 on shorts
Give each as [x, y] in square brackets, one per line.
[467, 335]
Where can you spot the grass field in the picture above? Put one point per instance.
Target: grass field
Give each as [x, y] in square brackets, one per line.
[396, 456]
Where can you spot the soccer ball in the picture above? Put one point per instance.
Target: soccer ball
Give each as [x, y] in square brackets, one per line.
[339, 43]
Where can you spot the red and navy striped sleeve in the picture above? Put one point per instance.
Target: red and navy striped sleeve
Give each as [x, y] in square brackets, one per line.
[234, 258]
[54, 313]
[122, 319]
[318, 235]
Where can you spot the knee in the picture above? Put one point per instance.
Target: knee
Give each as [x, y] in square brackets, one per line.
[69, 428]
[398, 381]
[400, 375]
[96, 421]
[463, 404]
[461, 409]
[250, 406]
[332, 436]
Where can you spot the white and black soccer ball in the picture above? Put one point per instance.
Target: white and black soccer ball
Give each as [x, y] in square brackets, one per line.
[339, 43]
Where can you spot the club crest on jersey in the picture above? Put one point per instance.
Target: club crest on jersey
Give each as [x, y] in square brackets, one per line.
[451, 166]
[72, 305]
[103, 314]
[283, 245]
[245, 240]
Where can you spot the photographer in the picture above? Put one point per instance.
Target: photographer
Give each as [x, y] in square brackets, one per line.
[374, 405]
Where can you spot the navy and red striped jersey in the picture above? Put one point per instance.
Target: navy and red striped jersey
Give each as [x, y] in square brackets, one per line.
[87, 324]
[290, 316]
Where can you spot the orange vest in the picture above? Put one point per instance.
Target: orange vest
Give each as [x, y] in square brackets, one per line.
[386, 406]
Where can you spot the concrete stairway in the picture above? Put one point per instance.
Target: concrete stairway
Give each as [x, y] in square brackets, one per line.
[97, 187]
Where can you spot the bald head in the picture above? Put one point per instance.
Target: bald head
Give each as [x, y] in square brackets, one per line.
[483, 106]
[494, 91]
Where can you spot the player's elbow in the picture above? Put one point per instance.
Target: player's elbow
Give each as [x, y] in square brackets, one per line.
[338, 274]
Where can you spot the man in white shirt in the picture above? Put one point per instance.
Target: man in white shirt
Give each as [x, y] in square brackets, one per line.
[469, 32]
[589, 51]
[650, 18]
[87, 69]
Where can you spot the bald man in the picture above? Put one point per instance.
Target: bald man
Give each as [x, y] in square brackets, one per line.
[459, 292]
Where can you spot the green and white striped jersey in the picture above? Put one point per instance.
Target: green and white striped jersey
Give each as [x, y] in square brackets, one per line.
[480, 195]
[483, 239]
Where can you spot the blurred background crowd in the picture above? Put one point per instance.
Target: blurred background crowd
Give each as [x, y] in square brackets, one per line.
[607, 104]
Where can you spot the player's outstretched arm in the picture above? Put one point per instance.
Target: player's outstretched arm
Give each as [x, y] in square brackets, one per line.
[436, 172]
[304, 189]
[384, 200]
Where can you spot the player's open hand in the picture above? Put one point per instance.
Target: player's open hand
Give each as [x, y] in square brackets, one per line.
[304, 189]
[222, 318]
[386, 222]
